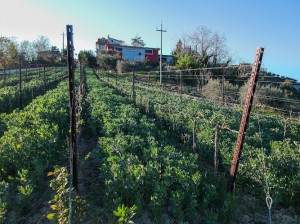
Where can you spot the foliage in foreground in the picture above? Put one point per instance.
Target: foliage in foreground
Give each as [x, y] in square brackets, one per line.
[33, 141]
[278, 137]
[140, 166]
[60, 204]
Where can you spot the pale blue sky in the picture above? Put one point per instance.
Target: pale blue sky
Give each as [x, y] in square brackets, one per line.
[273, 24]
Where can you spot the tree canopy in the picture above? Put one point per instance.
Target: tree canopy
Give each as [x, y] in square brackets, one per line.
[39, 51]
[9, 56]
[186, 61]
[206, 47]
[137, 41]
[87, 58]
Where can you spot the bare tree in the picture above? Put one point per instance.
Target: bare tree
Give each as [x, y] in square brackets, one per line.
[220, 52]
[26, 48]
[43, 49]
[42, 44]
[210, 47]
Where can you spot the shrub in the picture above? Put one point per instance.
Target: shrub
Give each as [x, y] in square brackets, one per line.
[264, 95]
[213, 91]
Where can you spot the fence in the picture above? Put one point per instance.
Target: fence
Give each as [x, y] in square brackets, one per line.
[225, 85]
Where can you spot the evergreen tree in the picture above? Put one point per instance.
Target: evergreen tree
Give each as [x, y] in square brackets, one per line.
[137, 41]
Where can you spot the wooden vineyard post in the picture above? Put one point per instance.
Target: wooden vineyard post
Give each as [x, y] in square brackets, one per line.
[26, 70]
[180, 78]
[216, 157]
[20, 87]
[245, 118]
[4, 78]
[73, 142]
[198, 81]
[25, 80]
[44, 74]
[194, 132]
[223, 90]
[133, 88]
[284, 127]
[201, 82]
[148, 106]
[82, 82]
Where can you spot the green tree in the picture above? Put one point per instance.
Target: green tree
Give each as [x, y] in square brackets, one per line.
[9, 56]
[209, 47]
[87, 58]
[49, 57]
[186, 61]
[137, 41]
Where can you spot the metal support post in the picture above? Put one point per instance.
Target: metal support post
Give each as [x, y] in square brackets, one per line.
[73, 142]
[245, 118]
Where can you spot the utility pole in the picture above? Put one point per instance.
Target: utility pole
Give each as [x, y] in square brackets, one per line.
[63, 45]
[160, 61]
[245, 118]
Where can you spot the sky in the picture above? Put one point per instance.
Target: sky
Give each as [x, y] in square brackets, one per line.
[272, 24]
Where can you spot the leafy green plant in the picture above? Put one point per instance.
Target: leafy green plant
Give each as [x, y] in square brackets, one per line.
[61, 201]
[3, 200]
[125, 214]
[25, 188]
[34, 139]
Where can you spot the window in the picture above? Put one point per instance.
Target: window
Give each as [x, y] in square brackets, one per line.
[148, 51]
[119, 49]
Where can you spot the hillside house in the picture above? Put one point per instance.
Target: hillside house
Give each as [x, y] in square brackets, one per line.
[127, 52]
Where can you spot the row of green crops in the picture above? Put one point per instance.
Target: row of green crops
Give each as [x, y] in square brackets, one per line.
[9, 95]
[140, 167]
[34, 139]
[268, 140]
[12, 78]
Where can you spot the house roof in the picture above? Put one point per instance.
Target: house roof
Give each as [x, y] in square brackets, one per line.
[121, 43]
[127, 46]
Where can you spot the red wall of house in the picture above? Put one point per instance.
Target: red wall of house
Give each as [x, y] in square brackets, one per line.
[152, 57]
[109, 47]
